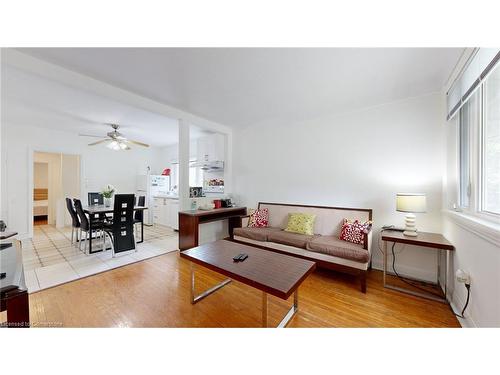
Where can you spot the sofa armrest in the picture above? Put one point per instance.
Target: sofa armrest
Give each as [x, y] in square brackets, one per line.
[244, 220]
[237, 221]
[367, 242]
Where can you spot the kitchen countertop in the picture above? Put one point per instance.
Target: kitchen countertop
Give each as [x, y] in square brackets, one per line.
[166, 196]
[212, 211]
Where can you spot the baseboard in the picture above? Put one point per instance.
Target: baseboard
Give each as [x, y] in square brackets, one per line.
[466, 322]
[403, 270]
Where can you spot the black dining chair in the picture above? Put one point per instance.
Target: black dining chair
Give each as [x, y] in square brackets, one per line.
[85, 226]
[97, 199]
[139, 214]
[75, 222]
[121, 230]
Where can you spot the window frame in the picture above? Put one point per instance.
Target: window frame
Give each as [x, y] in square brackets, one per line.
[460, 159]
[481, 148]
[476, 156]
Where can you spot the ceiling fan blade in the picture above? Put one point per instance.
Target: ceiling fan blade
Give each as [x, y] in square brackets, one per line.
[98, 142]
[137, 143]
[91, 135]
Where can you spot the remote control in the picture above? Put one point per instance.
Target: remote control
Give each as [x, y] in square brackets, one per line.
[237, 258]
[245, 256]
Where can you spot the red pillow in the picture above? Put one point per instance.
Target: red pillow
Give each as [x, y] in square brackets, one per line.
[259, 218]
[354, 231]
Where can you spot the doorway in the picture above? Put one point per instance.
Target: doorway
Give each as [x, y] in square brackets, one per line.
[40, 193]
[55, 177]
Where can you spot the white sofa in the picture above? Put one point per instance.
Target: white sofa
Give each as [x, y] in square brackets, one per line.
[324, 247]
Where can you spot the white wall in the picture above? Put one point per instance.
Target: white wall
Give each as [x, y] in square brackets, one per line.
[473, 253]
[100, 166]
[41, 176]
[70, 185]
[168, 155]
[359, 159]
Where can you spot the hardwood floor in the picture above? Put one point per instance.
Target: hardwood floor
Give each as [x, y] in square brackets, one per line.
[40, 220]
[155, 293]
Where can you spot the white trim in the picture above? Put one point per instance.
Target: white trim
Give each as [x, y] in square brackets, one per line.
[480, 227]
[460, 66]
[31, 158]
[31, 185]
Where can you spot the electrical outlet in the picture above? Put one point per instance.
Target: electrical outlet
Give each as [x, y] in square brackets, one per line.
[462, 277]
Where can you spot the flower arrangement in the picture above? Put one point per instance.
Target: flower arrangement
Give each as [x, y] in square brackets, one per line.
[108, 191]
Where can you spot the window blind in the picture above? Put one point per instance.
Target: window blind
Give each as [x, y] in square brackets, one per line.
[476, 70]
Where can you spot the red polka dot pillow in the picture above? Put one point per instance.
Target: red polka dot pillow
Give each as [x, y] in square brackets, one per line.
[354, 231]
[259, 218]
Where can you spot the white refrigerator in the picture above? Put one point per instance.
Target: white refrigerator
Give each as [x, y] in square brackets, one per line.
[150, 186]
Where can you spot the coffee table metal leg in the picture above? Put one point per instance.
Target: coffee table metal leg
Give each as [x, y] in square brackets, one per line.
[195, 298]
[289, 315]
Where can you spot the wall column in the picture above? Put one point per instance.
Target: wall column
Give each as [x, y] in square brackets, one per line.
[184, 202]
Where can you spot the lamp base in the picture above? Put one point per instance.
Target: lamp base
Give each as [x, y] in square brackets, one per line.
[410, 228]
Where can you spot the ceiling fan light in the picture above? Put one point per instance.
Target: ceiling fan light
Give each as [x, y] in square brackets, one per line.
[122, 145]
[114, 145]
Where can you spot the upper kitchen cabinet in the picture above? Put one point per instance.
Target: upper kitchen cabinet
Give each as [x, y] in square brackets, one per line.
[211, 148]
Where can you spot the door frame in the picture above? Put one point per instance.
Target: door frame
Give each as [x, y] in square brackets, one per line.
[31, 183]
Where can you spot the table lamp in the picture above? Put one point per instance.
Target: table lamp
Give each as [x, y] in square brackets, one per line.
[410, 203]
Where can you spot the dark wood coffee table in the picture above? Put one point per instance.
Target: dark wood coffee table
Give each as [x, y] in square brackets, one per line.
[272, 273]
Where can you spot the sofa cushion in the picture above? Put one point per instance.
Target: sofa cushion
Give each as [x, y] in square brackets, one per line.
[331, 245]
[301, 223]
[290, 239]
[258, 218]
[354, 231]
[258, 234]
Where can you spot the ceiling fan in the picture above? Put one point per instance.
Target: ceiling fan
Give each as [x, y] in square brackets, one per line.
[116, 141]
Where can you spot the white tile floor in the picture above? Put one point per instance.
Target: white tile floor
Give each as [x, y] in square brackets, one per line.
[50, 259]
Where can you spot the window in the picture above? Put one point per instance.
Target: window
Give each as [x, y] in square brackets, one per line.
[479, 150]
[195, 176]
[464, 156]
[490, 151]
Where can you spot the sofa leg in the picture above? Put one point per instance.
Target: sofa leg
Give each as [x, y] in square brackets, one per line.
[362, 279]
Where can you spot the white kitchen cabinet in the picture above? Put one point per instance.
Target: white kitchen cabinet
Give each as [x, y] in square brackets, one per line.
[166, 212]
[173, 212]
[160, 213]
[211, 148]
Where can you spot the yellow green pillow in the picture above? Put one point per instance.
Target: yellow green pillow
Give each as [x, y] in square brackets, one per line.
[301, 223]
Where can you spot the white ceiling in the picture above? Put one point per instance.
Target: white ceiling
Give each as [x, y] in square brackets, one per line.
[243, 86]
[30, 99]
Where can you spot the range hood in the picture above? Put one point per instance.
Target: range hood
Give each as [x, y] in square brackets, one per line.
[217, 165]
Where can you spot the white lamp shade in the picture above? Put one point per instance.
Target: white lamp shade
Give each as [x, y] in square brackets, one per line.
[411, 202]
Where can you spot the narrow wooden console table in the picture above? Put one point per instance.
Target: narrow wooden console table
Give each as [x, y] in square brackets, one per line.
[189, 222]
[423, 239]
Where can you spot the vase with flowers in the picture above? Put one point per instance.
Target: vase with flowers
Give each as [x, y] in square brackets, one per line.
[107, 193]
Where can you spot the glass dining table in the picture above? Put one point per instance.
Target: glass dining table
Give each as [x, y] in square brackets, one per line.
[94, 211]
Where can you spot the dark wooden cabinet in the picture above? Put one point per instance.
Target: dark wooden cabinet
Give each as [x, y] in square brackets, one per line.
[189, 222]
